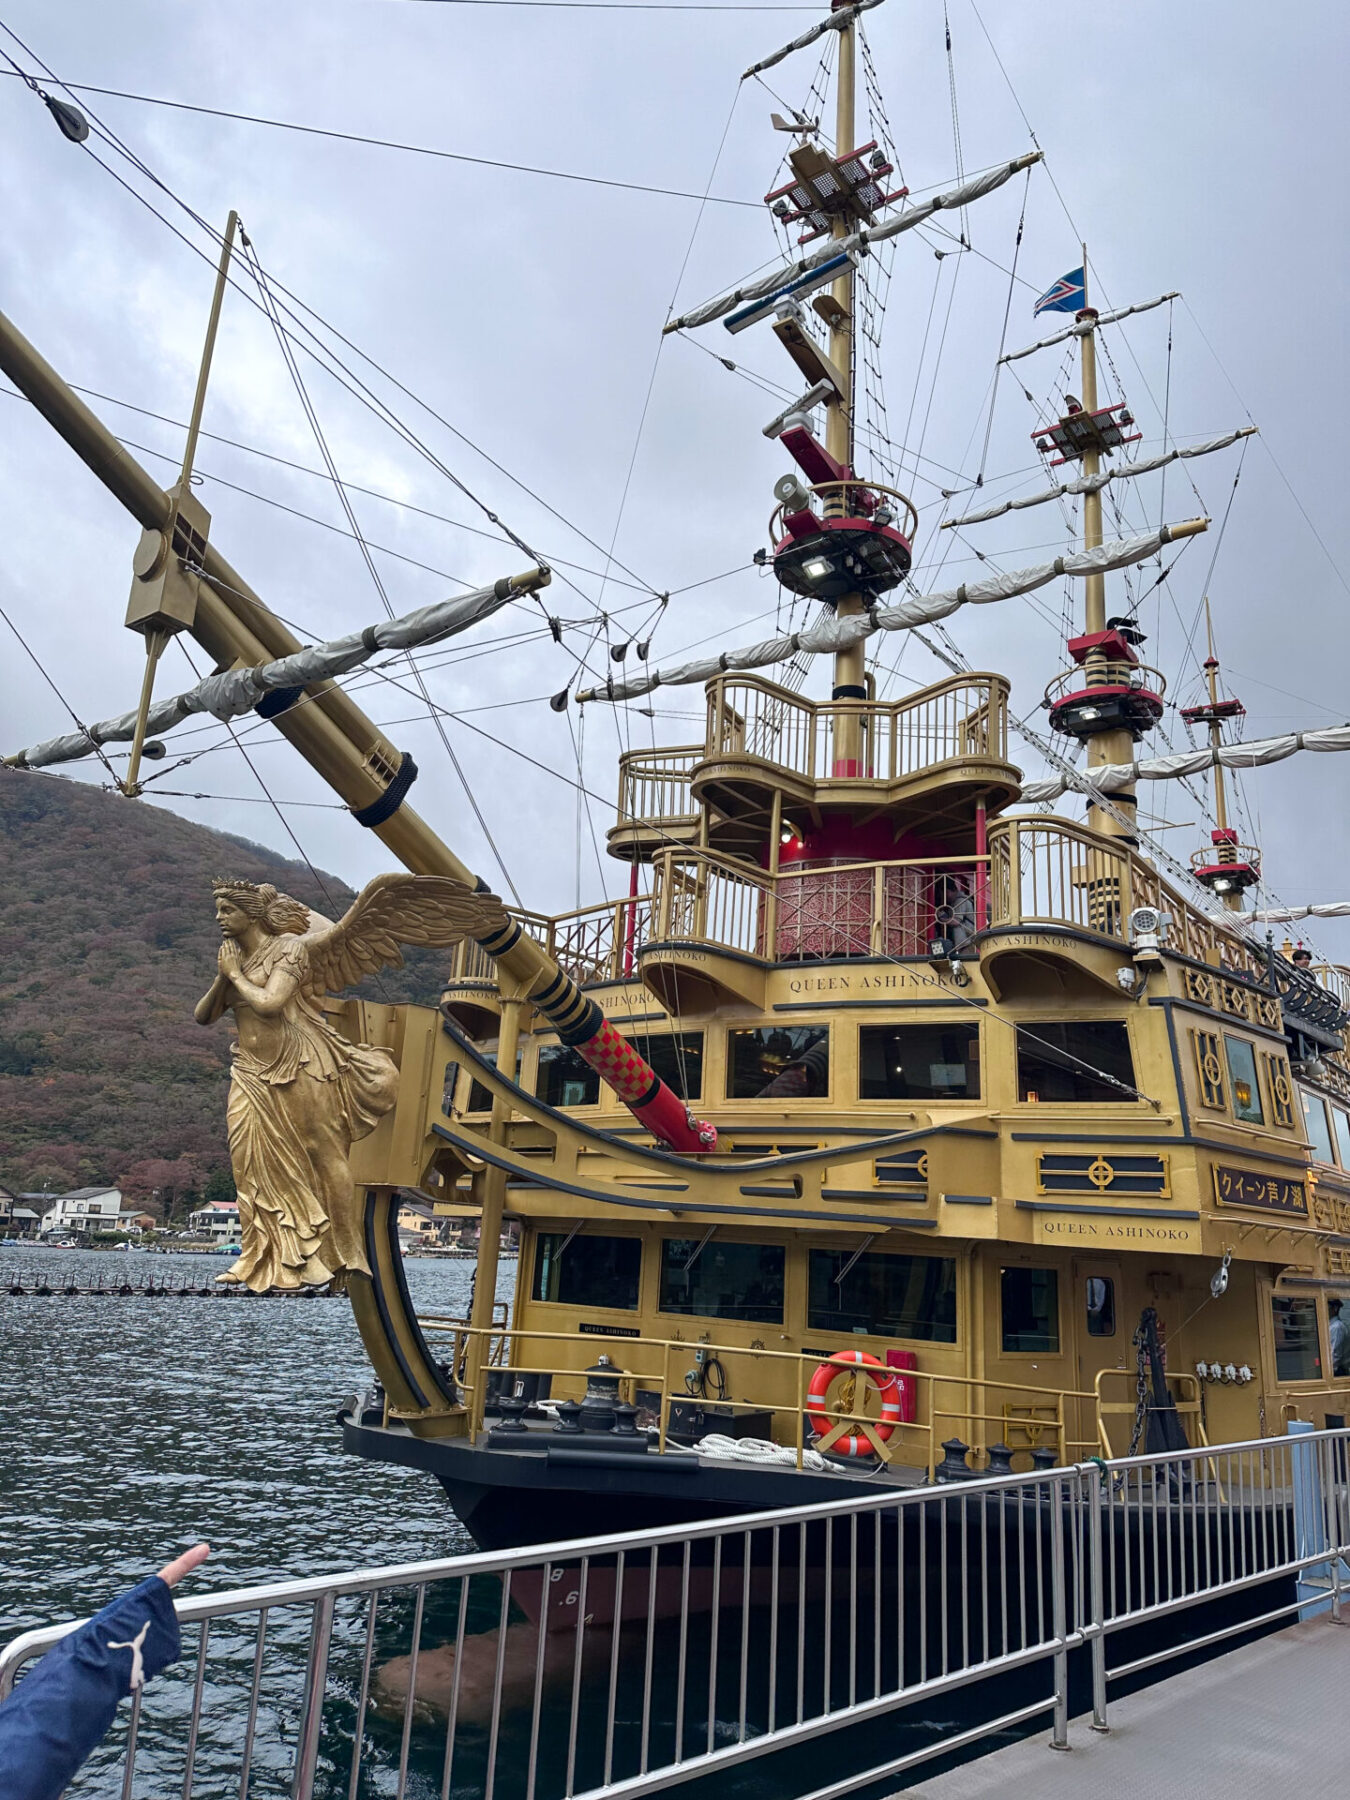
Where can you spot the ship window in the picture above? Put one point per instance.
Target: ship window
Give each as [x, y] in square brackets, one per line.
[919, 1062]
[1099, 1295]
[1242, 1070]
[779, 1062]
[587, 1271]
[677, 1057]
[1298, 1351]
[480, 1100]
[1315, 1124]
[1030, 1310]
[565, 1078]
[877, 1295]
[723, 1281]
[1084, 1060]
[1342, 1119]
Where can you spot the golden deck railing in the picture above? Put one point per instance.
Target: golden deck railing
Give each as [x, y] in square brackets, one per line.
[965, 717]
[1037, 873]
[1052, 872]
[980, 1411]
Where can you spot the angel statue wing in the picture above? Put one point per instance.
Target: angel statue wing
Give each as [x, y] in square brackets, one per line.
[434, 911]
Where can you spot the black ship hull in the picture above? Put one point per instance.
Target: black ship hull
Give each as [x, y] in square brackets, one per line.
[508, 1500]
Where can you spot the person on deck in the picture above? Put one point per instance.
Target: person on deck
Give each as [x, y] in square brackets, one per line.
[1339, 1333]
[63, 1706]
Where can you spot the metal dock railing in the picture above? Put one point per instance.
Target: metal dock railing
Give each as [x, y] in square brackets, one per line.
[633, 1664]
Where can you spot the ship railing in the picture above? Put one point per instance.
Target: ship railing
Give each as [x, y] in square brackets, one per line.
[1053, 872]
[1334, 979]
[853, 499]
[964, 717]
[591, 944]
[1136, 676]
[1187, 1398]
[804, 914]
[642, 1662]
[978, 1411]
[654, 787]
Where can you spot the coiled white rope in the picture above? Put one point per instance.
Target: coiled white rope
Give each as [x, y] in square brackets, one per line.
[756, 1450]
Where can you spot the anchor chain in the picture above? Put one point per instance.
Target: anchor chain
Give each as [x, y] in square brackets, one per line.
[1140, 1391]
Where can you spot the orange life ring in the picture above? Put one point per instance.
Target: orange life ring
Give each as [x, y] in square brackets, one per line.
[890, 1391]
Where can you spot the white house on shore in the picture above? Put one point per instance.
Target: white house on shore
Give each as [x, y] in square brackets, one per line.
[219, 1220]
[86, 1210]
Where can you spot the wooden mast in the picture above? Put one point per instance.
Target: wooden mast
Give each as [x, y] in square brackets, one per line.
[1230, 896]
[157, 635]
[849, 665]
[1104, 746]
[236, 627]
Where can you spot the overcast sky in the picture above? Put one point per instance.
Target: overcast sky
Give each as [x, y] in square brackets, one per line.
[1198, 148]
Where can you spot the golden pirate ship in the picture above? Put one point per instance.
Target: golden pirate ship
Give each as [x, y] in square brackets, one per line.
[886, 1128]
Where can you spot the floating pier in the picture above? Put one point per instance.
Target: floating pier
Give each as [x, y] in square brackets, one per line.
[22, 1284]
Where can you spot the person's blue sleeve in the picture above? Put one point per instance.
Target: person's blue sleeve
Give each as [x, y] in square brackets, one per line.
[63, 1706]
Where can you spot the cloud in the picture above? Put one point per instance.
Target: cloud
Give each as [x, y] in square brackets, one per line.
[526, 312]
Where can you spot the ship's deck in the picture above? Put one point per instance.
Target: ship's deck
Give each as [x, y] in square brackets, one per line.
[1237, 1726]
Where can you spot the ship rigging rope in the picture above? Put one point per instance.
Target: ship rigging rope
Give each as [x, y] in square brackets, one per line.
[317, 347]
[378, 674]
[38, 664]
[286, 462]
[282, 820]
[670, 6]
[833, 634]
[353, 137]
[254, 265]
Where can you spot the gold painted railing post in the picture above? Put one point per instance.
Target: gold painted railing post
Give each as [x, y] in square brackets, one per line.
[1014, 873]
[1126, 891]
[661, 869]
[801, 1410]
[769, 948]
[492, 1187]
[878, 942]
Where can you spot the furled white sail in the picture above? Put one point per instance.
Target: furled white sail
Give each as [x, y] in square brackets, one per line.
[836, 22]
[1114, 778]
[953, 200]
[1077, 330]
[1092, 484]
[1286, 915]
[832, 633]
[237, 691]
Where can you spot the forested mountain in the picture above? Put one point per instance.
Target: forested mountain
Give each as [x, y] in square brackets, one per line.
[107, 941]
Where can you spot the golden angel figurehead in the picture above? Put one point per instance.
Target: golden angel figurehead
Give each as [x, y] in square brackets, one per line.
[300, 1093]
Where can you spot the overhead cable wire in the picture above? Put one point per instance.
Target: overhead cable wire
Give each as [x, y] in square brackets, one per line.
[354, 137]
[353, 487]
[38, 664]
[317, 347]
[668, 6]
[288, 356]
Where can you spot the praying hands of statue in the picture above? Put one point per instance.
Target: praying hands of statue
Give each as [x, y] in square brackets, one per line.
[230, 959]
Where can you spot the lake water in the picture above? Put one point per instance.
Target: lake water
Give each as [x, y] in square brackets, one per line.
[133, 1426]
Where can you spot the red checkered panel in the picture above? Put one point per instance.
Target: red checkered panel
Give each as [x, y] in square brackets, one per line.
[617, 1064]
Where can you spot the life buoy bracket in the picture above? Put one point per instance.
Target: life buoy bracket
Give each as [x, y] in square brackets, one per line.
[890, 1391]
